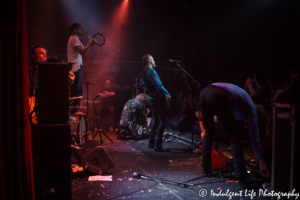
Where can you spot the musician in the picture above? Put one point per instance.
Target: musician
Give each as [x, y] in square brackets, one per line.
[75, 51]
[38, 53]
[159, 101]
[133, 110]
[229, 103]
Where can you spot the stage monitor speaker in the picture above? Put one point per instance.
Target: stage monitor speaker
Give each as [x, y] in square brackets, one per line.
[94, 157]
[283, 147]
[53, 93]
[52, 159]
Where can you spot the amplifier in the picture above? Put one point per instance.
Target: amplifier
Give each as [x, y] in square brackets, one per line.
[283, 147]
[53, 93]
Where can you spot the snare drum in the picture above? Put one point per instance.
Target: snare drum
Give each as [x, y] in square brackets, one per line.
[78, 128]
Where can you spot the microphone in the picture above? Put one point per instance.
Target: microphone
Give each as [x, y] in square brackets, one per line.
[174, 61]
[136, 175]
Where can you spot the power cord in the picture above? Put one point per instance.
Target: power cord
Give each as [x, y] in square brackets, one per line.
[135, 191]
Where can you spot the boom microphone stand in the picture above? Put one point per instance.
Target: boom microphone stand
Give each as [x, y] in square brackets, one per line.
[197, 83]
[99, 130]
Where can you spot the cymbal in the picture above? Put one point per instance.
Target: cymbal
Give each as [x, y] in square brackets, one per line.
[107, 94]
[73, 98]
[90, 101]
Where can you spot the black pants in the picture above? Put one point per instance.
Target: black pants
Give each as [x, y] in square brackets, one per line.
[159, 119]
[215, 101]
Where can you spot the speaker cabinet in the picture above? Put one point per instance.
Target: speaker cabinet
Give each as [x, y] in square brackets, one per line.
[52, 159]
[53, 93]
[93, 157]
[283, 147]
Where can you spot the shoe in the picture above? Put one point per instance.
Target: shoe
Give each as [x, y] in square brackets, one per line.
[238, 177]
[151, 143]
[158, 147]
[161, 149]
[209, 173]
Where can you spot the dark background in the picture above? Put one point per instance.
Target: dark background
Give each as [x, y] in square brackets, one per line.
[216, 40]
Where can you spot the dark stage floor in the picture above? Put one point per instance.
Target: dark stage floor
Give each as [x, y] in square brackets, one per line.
[178, 165]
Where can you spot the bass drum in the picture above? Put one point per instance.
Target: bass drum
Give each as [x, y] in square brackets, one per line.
[78, 129]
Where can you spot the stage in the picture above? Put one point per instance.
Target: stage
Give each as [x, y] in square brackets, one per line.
[181, 164]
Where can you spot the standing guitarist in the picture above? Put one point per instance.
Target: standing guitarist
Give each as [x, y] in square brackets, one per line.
[159, 101]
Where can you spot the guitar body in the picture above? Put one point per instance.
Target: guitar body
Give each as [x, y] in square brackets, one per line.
[218, 159]
[136, 129]
[31, 107]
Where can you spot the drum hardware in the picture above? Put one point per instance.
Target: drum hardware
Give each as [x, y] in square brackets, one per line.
[87, 100]
[99, 130]
[78, 128]
[74, 98]
[107, 94]
[73, 107]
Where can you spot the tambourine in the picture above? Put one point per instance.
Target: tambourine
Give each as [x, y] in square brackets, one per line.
[103, 43]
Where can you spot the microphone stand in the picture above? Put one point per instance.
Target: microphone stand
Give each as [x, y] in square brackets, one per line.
[187, 73]
[87, 101]
[192, 99]
[176, 100]
[99, 130]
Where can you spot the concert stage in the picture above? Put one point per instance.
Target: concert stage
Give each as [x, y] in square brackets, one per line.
[179, 165]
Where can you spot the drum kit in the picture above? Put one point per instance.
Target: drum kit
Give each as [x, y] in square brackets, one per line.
[78, 122]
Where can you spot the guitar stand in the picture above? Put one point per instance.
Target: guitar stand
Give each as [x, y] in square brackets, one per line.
[99, 130]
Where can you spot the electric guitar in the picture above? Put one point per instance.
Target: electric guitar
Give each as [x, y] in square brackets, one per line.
[137, 128]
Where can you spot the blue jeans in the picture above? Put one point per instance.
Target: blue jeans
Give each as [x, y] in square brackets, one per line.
[215, 101]
[76, 88]
[159, 119]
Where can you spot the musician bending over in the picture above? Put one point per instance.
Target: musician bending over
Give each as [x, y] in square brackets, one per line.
[133, 111]
[229, 103]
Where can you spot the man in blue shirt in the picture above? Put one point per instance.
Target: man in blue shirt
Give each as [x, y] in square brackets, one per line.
[159, 101]
[229, 103]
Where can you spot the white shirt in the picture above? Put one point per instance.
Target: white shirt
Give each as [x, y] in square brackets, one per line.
[74, 56]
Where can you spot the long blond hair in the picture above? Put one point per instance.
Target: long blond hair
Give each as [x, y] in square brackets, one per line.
[143, 98]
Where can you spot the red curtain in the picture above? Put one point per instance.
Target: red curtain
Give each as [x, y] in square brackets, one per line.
[16, 169]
